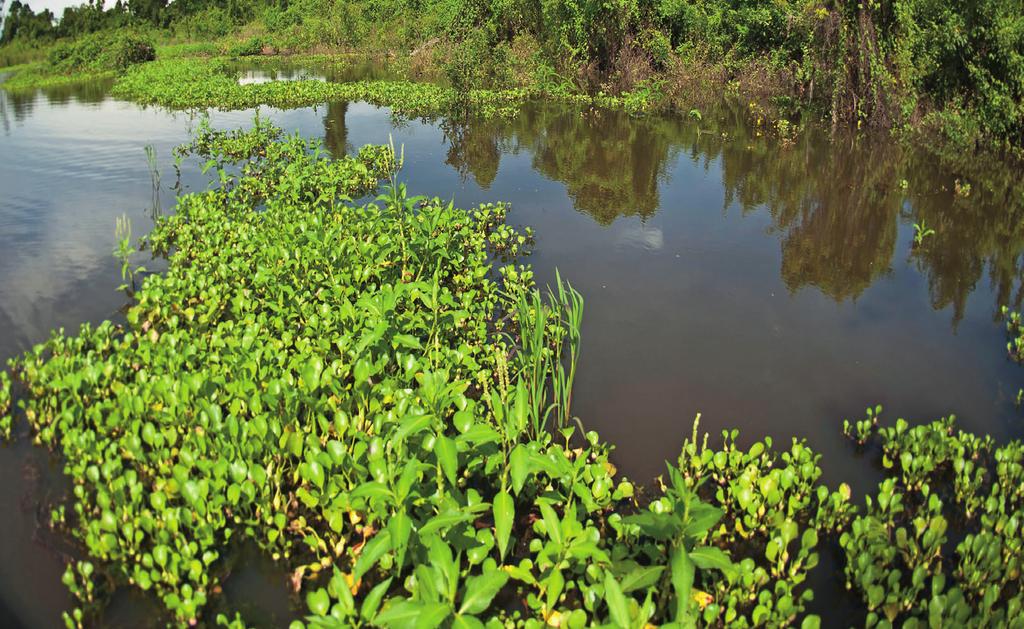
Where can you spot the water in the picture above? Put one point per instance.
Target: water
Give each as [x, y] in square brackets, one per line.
[771, 286]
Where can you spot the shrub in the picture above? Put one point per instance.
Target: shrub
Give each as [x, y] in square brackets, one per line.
[100, 52]
[248, 48]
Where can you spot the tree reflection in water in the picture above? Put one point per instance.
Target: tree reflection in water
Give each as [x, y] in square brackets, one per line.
[836, 202]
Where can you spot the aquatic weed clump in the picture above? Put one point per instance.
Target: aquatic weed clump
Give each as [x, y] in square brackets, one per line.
[940, 545]
[188, 83]
[774, 514]
[1015, 346]
[344, 386]
[5, 405]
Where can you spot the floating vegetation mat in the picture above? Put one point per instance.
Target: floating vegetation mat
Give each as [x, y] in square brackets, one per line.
[379, 397]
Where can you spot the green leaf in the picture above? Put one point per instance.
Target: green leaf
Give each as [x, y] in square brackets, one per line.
[406, 340]
[467, 622]
[811, 621]
[310, 373]
[319, 602]
[660, 526]
[504, 514]
[519, 467]
[315, 473]
[682, 581]
[481, 590]
[371, 489]
[412, 614]
[616, 600]
[444, 521]
[448, 457]
[400, 528]
[552, 525]
[372, 601]
[190, 492]
[702, 518]
[710, 558]
[372, 551]
[641, 577]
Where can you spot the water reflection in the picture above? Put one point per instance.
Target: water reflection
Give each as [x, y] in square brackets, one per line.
[18, 106]
[835, 202]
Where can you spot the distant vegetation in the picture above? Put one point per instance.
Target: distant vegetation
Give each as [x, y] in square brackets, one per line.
[915, 64]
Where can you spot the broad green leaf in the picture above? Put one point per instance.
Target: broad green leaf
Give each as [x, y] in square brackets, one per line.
[552, 525]
[519, 467]
[504, 515]
[372, 601]
[400, 528]
[710, 558]
[319, 602]
[412, 614]
[682, 581]
[372, 551]
[443, 521]
[467, 622]
[481, 590]
[616, 600]
[448, 457]
[641, 577]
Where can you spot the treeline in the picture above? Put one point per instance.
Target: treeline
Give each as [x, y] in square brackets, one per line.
[21, 23]
[866, 63]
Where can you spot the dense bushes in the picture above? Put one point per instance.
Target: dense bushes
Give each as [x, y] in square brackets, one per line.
[890, 64]
[102, 51]
[882, 64]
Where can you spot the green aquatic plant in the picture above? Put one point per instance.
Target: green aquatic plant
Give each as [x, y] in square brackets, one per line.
[154, 178]
[1015, 330]
[338, 384]
[123, 252]
[862, 430]
[378, 396]
[5, 405]
[940, 543]
[922, 231]
[1015, 346]
[774, 514]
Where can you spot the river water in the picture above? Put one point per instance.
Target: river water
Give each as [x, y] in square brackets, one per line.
[770, 285]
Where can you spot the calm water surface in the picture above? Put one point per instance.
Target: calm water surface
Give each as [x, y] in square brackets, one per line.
[770, 286]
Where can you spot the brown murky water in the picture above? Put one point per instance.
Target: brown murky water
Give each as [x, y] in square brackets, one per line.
[771, 286]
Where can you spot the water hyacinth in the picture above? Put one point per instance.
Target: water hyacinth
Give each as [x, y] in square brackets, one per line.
[379, 397]
[336, 383]
[940, 544]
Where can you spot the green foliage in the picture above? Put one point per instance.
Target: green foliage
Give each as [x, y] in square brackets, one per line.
[334, 382]
[104, 51]
[186, 83]
[922, 231]
[5, 405]
[957, 68]
[248, 48]
[900, 554]
[774, 512]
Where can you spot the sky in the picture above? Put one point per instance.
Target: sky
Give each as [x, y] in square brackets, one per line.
[57, 6]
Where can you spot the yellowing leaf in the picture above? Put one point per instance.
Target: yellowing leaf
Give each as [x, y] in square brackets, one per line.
[703, 599]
